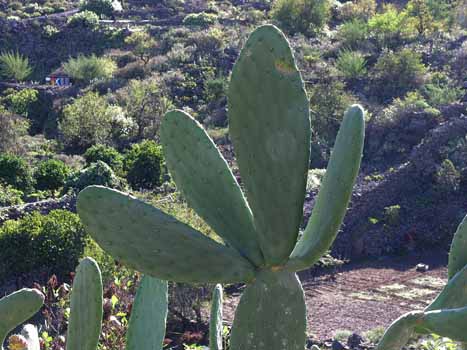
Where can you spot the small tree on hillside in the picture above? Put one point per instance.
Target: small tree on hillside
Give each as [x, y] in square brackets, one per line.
[142, 45]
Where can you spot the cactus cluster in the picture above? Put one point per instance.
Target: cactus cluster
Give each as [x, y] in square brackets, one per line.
[270, 130]
[447, 314]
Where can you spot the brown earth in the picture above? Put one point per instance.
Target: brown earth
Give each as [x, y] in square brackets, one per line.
[363, 295]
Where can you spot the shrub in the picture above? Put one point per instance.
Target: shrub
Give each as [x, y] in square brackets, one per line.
[396, 73]
[14, 66]
[15, 171]
[86, 121]
[106, 154]
[202, 19]
[145, 103]
[84, 19]
[301, 16]
[421, 16]
[99, 7]
[98, 173]
[12, 128]
[447, 177]
[144, 164]
[20, 102]
[142, 45]
[374, 335]
[87, 68]
[392, 215]
[51, 174]
[351, 64]
[353, 33]
[441, 90]
[10, 196]
[342, 335]
[390, 27]
[52, 242]
[359, 9]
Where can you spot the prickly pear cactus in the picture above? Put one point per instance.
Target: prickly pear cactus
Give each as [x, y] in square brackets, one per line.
[447, 314]
[17, 308]
[270, 130]
[215, 321]
[146, 329]
[84, 327]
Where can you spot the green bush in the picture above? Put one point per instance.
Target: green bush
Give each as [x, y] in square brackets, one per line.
[301, 16]
[21, 101]
[88, 68]
[447, 177]
[397, 73]
[106, 154]
[359, 9]
[351, 64]
[12, 129]
[353, 34]
[99, 7]
[202, 19]
[144, 164]
[14, 66]
[84, 19]
[98, 173]
[390, 27]
[87, 121]
[142, 44]
[51, 174]
[10, 196]
[53, 243]
[441, 90]
[16, 172]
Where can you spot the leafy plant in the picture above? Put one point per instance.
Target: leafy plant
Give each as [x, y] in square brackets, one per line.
[301, 16]
[353, 33]
[99, 7]
[351, 64]
[84, 19]
[142, 44]
[88, 68]
[51, 174]
[14, 66]
[20, 102]
[106, 154]
[15, 171]
[262, 247]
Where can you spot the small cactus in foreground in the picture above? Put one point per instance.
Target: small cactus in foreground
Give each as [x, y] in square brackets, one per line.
[447, 314]
[215, 321]
[270, 130]
[17, 308]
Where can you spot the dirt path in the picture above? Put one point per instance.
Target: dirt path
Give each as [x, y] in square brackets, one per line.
[361, 296]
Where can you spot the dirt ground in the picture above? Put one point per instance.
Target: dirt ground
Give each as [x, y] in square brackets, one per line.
[360, 296]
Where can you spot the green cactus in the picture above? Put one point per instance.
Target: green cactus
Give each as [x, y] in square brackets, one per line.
[447, 313]
[146, 329]
[86, 307]
[17, 308]
[215, 323]
[270, 130]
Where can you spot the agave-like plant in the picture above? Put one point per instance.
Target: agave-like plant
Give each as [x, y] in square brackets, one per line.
[14, 66]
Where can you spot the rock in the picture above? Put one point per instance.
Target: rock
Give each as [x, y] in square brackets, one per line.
[422, 267]
[355, 340]
[337, 345]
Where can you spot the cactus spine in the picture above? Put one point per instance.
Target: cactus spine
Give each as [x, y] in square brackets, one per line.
[270, 130]
[86, 307]
[17, 308]
[146, 329]
[215, 324]
[447, 314]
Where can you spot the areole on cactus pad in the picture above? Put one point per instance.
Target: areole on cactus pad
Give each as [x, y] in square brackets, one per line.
[270, 130]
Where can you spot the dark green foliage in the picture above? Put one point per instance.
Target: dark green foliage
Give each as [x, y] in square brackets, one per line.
[353, 33]
[301, 16]
[51, 174]
[98, 173]
[106, 154]
[99, 7]
[397, 73]
[9, 196]
[202, 19]
[144, 164]
[15, 171]
[52, 242]
[447, 177]
[85, 19]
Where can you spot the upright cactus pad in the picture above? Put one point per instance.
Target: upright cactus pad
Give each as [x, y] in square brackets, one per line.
[269, 125]
[215, 321]
[148, 316]
[84, 326]
[270, 129]
[447, 314]
[17, 308]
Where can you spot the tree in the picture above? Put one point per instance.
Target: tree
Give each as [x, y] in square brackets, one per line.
[87, 121]
[145, 103]
[421, 13]
[14, 66]
[142, 45]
